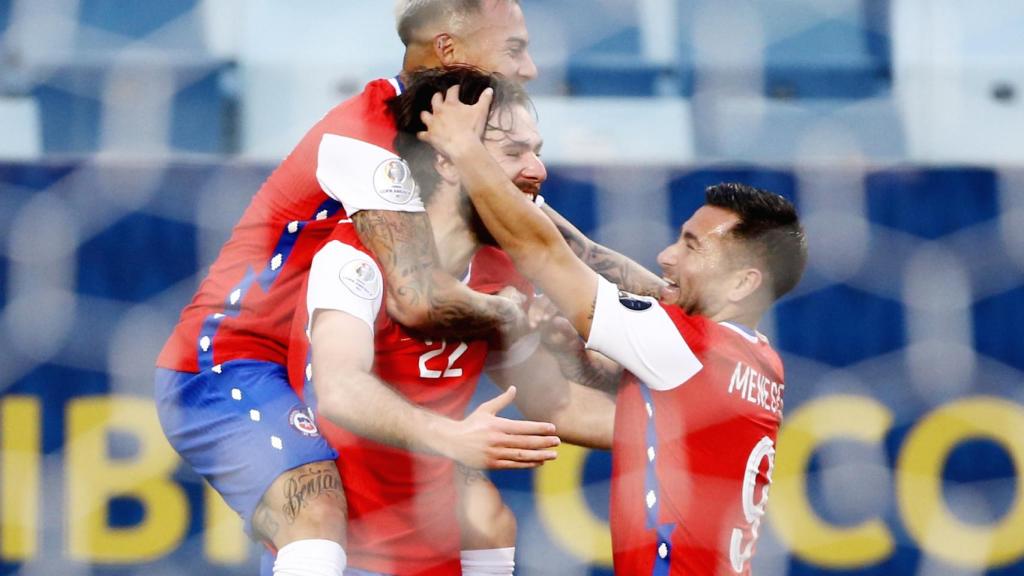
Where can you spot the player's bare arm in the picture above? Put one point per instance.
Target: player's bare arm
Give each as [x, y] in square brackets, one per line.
[587, 367]
[523, 231]
[577, 364]
[351, 396]
[583, 416]
[616, 268]
[420, 295]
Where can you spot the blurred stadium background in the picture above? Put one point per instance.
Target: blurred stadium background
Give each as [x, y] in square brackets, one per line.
[133, 132]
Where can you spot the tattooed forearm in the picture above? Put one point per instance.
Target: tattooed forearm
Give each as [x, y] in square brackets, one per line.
[590, 370]
[614, 267]
[420, 294]
[403, 243]
[309, 484]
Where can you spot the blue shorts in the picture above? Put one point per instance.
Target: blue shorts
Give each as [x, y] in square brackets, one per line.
[240, 426]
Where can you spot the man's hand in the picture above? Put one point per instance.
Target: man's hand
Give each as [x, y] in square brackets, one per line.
[452, 126]
[485, 440]
[556, 332]
[516, 323]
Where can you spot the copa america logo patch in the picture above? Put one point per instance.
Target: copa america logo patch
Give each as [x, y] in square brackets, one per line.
[302, 420]
[361, 278]
[393, 181]
[634, 303]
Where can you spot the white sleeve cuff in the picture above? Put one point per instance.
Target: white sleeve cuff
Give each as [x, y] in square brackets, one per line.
[345, 279]
[638, 333]
[365, 177]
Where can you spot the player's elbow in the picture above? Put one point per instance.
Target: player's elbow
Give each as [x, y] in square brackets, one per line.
[334, 402]
[413, 314]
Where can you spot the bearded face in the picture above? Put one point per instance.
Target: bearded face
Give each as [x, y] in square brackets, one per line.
[514, 142]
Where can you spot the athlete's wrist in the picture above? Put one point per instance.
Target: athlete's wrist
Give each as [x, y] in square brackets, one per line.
[440, 437]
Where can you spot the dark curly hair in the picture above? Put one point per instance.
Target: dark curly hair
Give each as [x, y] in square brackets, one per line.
[421, 87]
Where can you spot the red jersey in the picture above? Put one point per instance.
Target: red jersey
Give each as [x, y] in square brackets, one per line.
[401, 505]
[244, 307]
[697, 416]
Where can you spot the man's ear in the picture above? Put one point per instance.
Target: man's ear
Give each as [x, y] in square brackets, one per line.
[444, 49]
[746, 281]
[445, 169]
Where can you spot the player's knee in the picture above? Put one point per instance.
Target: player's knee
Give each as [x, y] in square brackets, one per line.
[505, 527]
[322, 516]
[495, 528]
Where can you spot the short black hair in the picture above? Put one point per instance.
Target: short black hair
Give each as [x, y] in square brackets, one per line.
[770, 227]
[415, 99]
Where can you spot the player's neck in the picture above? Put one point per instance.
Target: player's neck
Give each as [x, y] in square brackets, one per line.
[736, 315]
[455, 240]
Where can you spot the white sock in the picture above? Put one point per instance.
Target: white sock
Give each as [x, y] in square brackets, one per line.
[310, 558]
[488, 562]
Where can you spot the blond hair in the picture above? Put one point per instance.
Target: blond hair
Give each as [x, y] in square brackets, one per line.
[413, 15]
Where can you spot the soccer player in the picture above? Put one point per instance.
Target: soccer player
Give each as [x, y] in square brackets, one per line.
[221, 385]
[700, 402]
[389, 399]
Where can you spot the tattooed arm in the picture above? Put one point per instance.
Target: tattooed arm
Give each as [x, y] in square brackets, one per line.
[616, 268]
[588, 368]
[420, 295]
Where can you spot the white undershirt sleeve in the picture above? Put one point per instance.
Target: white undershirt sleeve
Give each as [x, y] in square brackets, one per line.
[365, 177]
[636, 332]
[345, 279]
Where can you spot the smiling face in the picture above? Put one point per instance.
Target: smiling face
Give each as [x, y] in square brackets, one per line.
[701, 266]
[496, 40]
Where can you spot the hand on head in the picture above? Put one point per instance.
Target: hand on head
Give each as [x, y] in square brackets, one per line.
[452, 125]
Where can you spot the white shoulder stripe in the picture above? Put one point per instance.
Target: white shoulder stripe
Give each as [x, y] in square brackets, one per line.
[752, 338]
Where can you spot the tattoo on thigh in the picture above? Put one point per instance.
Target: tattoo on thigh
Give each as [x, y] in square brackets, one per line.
[310, 483]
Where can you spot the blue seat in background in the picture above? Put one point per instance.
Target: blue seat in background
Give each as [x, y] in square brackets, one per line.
[839, 55]
[161, 41]
[600, 47]
[917, 201]
[5, 15]
[72, 108]
[131, 18]
[613, 66]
